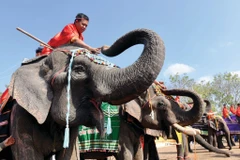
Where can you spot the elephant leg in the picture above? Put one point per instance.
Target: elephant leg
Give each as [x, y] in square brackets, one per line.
[185, 146]
[22, 126]
[71, 153]
[214, 138]
[130, 147]
[227, 136]
[150, 149]
[220, 142]
[189, 140]
[211, 137]
[180, 153]
[232, 140]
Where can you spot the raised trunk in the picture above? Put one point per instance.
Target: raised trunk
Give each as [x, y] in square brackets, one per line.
[208, 106]
[118, 86]
[183, 117]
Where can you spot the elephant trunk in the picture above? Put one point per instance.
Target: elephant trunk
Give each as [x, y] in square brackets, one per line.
[206, 145]
[118, 86]
[208, 106]
[183, 117]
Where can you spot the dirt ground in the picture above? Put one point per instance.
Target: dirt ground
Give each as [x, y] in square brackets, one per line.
[169, 153]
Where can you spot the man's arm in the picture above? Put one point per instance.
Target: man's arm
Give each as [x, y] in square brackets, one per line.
[84, 45]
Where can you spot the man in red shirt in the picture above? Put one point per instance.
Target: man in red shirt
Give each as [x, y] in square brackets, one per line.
[225, 112]
[238, 112]
[71, 33]
[232, 109]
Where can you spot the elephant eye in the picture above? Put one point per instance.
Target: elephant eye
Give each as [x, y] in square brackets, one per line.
[79, 68]
[160, 103]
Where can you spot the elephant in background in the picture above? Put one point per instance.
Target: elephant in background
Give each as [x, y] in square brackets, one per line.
[216, 124]
[39, 94]
[143, 117]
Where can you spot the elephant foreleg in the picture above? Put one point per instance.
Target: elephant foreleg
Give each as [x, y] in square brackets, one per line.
[22, 130]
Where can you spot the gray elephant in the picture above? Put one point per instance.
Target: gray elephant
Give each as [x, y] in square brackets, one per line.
[154, 109]
[55, 94]
[215, 124]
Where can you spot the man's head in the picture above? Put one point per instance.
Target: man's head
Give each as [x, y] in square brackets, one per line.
[81, 22]
[238, 104]
[39, 51]
[224, 105]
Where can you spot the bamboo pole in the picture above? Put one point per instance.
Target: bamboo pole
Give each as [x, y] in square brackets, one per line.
[31, 36]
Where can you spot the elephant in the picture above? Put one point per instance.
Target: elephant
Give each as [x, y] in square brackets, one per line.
[145, 116]
[216, 124]
[52, 95]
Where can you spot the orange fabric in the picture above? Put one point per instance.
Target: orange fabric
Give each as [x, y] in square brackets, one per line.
[177, 99]
[5, 96]
[232, 109]
[63, 37]
[238, 111]
[225, 112]
[210, 115]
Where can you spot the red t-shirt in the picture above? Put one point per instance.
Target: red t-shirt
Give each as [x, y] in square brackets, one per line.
[238, 111]
[225, 112]
[63, 37]
[232, 109]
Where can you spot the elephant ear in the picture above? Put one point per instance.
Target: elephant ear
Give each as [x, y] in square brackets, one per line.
[133, 109]
[31, 91]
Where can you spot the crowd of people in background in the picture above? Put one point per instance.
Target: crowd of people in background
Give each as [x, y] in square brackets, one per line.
[226, 113]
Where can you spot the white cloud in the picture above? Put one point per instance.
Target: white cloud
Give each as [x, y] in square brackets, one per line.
[236, 72]
[205, 79]
[178, 69]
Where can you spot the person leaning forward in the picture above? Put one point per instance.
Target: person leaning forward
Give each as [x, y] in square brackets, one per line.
[71, 33]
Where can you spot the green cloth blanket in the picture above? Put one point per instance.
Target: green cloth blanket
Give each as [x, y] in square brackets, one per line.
[89, 138]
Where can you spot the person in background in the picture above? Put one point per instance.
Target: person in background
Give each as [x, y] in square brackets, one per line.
[39, 51]
[225, 112]
[72, 33]
[232, 109]
[238, 112]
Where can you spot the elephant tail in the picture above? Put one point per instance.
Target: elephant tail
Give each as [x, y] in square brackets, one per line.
[209, 147]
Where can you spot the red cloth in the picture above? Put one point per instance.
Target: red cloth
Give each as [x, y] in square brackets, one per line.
[5, 96]
[225, 112]
[177, 99]
[210, 115]
[232, 109]
[238, 111]
[63, 37]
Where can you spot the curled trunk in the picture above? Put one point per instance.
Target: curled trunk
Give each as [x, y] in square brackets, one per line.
[118, 86]
[183, 117]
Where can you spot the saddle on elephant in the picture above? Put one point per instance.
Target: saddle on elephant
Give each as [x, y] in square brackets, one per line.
[5, 112]
[89, 138]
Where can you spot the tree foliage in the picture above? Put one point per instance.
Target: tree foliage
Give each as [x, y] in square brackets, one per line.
[224, 88]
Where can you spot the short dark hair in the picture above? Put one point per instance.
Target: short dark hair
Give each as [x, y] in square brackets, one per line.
[238, 104]
[82, 15]
[39, 49]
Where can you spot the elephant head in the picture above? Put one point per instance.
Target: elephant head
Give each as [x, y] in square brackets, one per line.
[156, 109]
[41, 85]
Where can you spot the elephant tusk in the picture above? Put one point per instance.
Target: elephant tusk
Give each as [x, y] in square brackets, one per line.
[187, 130]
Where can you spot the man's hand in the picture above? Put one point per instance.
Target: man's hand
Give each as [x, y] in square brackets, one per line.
[95, 50]
[9, 141]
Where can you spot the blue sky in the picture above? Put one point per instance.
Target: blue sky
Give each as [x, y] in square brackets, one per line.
[201, 37]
